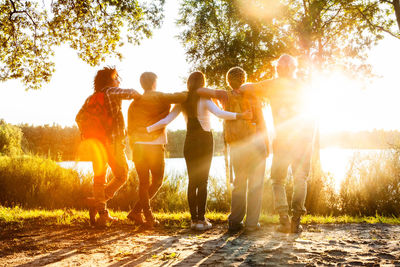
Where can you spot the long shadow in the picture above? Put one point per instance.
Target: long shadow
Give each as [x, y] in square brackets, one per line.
[96, 239]
[153, 250]
[207, 253]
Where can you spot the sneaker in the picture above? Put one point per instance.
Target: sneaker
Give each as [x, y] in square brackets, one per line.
[91, 204]
[235, 227]
[203, 225]
[284, 224]
[105, 218]
[296, 228]
[253, 228]
[136, 217]
[193, 224]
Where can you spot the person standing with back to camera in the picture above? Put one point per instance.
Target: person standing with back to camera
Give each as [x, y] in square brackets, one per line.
[292, 146]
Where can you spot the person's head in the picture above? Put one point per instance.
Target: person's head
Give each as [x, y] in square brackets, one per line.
[195, 81]
[106, 77]
[148, 80]
[235, 77]
[286, 66]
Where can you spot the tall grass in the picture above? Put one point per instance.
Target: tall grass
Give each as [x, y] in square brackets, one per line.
[371, 188]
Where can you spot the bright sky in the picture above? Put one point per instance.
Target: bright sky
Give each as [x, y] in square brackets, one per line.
[59, 101]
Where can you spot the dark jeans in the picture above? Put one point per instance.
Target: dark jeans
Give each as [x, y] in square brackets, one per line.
[148, 159]
[198, 152]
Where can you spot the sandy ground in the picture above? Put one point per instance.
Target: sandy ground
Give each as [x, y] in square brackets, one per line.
[124, 245]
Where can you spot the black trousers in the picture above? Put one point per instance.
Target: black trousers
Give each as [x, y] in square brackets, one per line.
[198, 152]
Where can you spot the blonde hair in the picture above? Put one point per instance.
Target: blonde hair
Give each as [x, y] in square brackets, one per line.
[286, 66]
[235, 77]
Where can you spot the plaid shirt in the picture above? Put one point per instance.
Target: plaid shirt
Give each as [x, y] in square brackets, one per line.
[113, 98]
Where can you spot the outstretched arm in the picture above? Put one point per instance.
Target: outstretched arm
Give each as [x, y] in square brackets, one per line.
[221, 95]
[165, 121]
[165, 98]
[123, 94]
[260, 89]
[226, 115]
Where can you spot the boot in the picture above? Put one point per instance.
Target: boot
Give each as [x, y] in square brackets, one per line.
[296, 228]
[136, 217]
[150, 220]
[91, 204]
[284, 224]
[105, 218]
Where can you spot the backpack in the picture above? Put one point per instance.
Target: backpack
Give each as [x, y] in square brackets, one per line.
[94, 119]
[237, 130]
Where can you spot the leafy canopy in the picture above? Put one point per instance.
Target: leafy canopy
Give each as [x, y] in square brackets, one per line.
[220, 34]
[31, 29]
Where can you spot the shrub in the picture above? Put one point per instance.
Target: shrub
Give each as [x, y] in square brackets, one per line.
[36, 182]
[372, 185]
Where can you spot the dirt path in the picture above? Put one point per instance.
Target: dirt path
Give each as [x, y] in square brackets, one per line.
[122, 245]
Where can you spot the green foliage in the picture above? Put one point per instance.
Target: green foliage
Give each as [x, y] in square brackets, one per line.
[217, 36]
[30, 31]
[220, 34]
[10, 139]
[54, 142]
[37, 182]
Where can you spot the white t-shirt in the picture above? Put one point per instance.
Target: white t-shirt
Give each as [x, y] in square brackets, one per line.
[204, 109]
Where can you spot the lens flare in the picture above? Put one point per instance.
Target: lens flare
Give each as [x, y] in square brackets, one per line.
[93, 150]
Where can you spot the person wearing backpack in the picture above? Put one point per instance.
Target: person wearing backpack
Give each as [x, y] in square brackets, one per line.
[102, 127]
[247, 141]
[198, 148]
[293, 144]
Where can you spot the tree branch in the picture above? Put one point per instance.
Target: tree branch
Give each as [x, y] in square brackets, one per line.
[369, 22]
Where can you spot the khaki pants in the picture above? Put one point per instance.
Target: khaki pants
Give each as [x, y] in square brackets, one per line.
[248, 160]
[297, 154]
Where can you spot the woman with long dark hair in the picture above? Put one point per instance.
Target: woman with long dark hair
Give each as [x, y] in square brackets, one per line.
[198, 148]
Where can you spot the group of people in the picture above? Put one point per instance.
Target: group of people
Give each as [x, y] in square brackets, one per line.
[245, 132]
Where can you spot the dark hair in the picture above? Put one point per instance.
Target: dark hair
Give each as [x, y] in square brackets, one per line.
[147, 80]
[195, 81]
[235, 77]
[105, 77]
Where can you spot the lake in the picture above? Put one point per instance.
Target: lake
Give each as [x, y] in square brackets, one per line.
[333, 160]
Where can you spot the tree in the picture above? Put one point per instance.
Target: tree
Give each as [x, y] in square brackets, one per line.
[219, 34]
[10, 139]
[30, 31]
[216, 37]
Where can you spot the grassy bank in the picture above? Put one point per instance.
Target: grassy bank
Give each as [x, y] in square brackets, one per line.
[17, 216]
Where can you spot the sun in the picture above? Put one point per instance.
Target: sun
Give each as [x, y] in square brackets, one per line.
[335, 100]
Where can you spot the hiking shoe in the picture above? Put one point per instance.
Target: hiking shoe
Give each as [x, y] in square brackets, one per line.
[235, 227]
[193, 224]
[253, 228]
[150, 220]
[203, 225]
[105, 218]
[136, 217]
[296, 228]
[91, 204]
[284, 224]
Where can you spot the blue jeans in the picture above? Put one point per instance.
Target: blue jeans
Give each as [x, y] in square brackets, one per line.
[248, 160]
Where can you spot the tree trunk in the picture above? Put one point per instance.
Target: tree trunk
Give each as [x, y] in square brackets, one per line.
[396, 5]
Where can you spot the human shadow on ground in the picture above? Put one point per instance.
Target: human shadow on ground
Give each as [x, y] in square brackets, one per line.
[82, 241]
